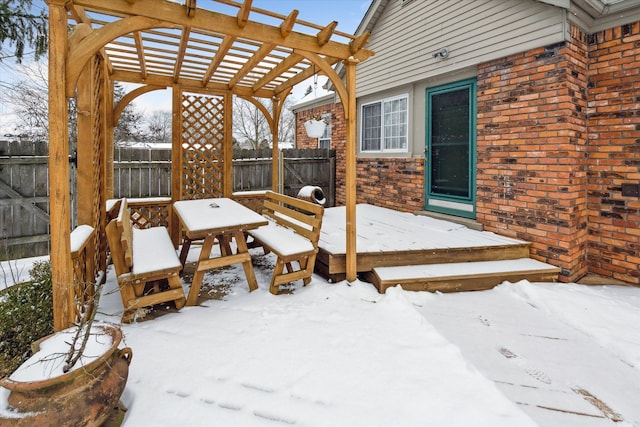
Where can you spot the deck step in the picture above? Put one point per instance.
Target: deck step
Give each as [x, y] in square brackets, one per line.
[462, 276]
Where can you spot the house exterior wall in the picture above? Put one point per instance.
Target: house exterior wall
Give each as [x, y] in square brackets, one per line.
[531, 142]
[394, 183]
[558, 134]
[338, 126]
[613, 122]
[408, 33]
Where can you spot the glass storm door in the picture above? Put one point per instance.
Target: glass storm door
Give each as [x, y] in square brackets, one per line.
[450, 149]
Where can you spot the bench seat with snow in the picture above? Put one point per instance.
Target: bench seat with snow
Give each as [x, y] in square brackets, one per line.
[462, 276]
[292, 235]
[146, 264]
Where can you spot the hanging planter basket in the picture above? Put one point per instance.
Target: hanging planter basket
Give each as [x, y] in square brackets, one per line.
[315, 128]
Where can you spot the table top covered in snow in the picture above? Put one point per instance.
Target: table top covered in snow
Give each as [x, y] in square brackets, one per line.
[209, 216]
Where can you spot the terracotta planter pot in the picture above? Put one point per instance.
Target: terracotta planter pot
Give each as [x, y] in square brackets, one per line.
[315, 128]
[83, 397]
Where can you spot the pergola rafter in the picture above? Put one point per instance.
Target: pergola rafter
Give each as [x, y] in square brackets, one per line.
[206, 56]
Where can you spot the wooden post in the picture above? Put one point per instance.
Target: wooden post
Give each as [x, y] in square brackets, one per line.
[277, 104]
[107, 101]
[227, 167]
[59, 200]
[106, 166]
[176, 160]
[350, 178]
[85, 145]
[275, 152]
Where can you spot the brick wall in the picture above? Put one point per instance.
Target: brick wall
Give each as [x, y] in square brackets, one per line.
[338, 126]
[614, 152]
[391, 183]
[531, 177]
[558, 134]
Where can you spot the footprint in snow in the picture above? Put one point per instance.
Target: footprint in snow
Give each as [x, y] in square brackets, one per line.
[538, 375]
[507, 353]
[535, 373]
[484, 320]
[179, 393]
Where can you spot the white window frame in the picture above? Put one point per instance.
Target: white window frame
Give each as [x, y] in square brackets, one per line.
[383, 148]
[326, 136]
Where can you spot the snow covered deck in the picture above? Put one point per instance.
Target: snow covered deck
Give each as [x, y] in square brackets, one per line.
[390, 238]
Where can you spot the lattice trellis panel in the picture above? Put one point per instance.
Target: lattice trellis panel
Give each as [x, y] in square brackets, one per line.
[147, 215]
[254, 201]
[87, 263]
[202, 146]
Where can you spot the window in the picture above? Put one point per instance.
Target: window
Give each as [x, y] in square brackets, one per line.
[385, 125]
[324, 142]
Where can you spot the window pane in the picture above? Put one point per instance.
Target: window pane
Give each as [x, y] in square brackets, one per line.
[327, 130]
[324, 142]
[450, 143]
[371, 127]
[395, 124]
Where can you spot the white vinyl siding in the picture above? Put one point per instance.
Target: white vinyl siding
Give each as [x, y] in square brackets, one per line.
[385, 125]
[404, 38]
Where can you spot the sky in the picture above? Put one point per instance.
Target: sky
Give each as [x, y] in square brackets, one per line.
[348, 13]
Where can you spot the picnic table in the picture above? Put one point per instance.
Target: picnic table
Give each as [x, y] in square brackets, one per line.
[220, 219]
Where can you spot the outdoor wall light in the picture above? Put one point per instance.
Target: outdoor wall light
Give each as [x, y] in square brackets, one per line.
[442, 53]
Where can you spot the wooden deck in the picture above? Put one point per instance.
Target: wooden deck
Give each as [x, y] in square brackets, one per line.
[390, 238]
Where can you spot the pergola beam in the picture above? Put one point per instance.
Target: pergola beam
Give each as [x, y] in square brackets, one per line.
[125, 100]
[278, 70]
[359, 42]
[184, 41]
[325, 34]
[303, 75]
[248, 66]
[227, 42]
[137, 36]
[193, 85]
[206, 19]
[243, 13]
[287, 25]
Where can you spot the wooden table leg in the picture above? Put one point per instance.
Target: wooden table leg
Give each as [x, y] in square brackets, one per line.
[198, 275]
[184, 251]
[225, 244]
[241, 243]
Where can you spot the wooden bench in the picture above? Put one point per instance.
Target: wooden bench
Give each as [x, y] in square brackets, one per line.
[292, 235]
[143, 260]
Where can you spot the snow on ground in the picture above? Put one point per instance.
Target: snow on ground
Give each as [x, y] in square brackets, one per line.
[343, 355]
[16, 271]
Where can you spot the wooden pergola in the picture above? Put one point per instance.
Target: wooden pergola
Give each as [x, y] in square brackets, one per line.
[206, 55]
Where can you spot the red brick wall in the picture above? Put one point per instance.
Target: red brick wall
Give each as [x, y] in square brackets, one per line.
[338, 126]
[558, 135]
[392, 183]
[614, 152]
[531, 177]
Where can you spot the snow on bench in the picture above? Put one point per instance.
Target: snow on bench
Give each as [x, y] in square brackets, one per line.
[292, 235]
[143, 259]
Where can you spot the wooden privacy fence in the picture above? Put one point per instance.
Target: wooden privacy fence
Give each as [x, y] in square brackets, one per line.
[138, 173]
